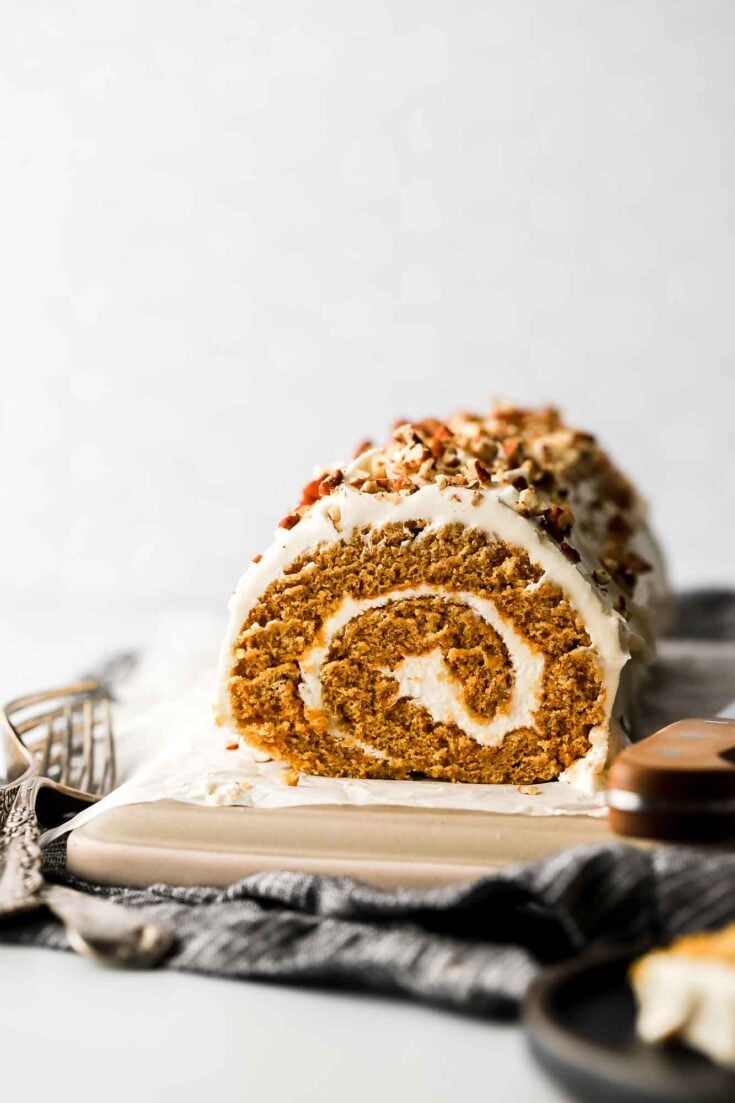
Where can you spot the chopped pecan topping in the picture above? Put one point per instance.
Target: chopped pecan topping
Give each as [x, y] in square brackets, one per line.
[562, 477]
[437, 441]
[310, 493]
[636, 563]
[482, 472]
[571, 553]
[560, 519]
[289, 521]
[530, 503]
[330, 482]
[512, 448]
[618, 527]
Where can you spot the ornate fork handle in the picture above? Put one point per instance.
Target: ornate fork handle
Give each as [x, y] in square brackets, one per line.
[21, 877]
[7, 800]
[96, 927]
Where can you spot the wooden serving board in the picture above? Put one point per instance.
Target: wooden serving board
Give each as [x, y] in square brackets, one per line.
[185, 844]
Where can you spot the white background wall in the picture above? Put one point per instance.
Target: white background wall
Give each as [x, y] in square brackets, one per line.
[237, 237]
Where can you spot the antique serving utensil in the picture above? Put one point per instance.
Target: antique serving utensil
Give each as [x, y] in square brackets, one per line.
[59, 758]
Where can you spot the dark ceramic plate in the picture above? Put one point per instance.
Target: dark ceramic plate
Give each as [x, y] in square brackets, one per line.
[580, 1018]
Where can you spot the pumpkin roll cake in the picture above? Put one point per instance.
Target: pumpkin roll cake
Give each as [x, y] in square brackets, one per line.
[473, 601]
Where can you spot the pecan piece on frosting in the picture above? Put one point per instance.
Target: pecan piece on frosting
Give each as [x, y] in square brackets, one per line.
[512, 448]
[437, 445]
[559, 520]
[571, 553]
[310, 493]
[330, 482]
[531, 504]
[621, 606]
[482, 472]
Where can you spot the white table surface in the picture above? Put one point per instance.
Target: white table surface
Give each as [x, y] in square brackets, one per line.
[71, 1029]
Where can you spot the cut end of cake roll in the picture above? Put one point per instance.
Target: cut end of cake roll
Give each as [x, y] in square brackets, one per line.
[687, 992]
[473, 602]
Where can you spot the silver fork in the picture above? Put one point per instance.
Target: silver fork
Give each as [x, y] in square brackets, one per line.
[59, 760]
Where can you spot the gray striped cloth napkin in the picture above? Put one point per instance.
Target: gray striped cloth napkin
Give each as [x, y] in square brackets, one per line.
[472, 947]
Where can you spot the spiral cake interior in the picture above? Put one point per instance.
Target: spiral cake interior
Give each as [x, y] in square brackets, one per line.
[359, 722]
[467, 628]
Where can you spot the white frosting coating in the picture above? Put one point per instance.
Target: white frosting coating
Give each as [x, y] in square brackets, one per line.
[493, 513]
[690, 997]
